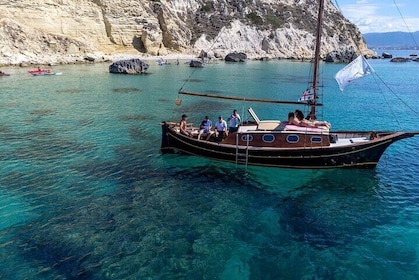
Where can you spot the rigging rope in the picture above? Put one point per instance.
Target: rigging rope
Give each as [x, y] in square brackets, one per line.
[382, 81]
[189, 77]
[398, 97]
[405, 23]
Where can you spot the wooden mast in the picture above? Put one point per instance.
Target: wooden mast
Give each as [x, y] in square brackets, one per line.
[317, 55]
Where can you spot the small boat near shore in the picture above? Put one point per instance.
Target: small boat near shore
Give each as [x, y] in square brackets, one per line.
[43, 72]
[2, 74]
[39, 70]
[47, 74]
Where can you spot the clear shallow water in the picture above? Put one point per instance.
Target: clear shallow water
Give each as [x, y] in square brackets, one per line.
[85, 193]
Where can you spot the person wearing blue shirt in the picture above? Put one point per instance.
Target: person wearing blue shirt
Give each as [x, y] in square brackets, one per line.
[221, 128]
[205, 128]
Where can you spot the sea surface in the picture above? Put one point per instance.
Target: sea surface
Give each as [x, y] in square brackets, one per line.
[86, 194]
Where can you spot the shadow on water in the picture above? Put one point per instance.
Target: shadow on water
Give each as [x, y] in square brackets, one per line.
[189, 217]
[73, 90]
[327, 215]
[136, 118]
[321, 213]
[126, 90]
[197, 111]
[194, 80]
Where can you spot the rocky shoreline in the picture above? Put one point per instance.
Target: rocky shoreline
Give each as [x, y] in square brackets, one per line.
[20, 60]
[23, 61]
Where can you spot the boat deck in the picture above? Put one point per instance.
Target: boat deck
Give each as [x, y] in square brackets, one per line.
[348, 141]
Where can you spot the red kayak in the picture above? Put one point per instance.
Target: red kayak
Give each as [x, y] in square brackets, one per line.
[39, 71]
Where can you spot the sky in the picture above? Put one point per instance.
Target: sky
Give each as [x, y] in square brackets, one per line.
[381, 15]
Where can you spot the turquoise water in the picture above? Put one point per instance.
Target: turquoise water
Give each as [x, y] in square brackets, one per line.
[85, 193]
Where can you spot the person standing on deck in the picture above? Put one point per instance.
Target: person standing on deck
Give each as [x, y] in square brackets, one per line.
[234, 121]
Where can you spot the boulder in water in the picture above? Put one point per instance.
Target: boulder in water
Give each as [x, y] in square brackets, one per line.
[386, 55]
[129, 66]
[236, 57]
[400, 59]
[196, 64]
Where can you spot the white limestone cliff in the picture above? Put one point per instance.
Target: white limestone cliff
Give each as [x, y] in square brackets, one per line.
[66, 31]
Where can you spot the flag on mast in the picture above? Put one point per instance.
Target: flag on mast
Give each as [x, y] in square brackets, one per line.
[358, 68]
[308, 95]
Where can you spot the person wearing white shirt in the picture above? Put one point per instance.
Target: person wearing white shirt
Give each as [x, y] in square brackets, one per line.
[234, 121]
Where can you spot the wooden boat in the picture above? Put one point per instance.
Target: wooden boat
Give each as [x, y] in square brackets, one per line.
[278, 144]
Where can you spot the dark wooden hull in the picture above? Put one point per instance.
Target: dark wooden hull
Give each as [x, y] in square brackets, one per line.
[354, 155]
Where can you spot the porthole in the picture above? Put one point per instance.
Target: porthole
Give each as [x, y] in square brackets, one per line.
[316, 139]
[268, 138]
[293, 138]
[247, 137]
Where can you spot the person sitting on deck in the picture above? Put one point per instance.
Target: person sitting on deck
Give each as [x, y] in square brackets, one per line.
[183, 125]
[205, 128]
[292, 119]
[220, 129]
[311, 116]
[299, 118]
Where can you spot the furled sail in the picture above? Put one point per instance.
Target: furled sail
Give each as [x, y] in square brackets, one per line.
[358, 68]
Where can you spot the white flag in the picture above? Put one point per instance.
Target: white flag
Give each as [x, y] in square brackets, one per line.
[308, 94]
[358, 68]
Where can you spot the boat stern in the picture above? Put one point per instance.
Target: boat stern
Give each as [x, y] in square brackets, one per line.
[164, 137]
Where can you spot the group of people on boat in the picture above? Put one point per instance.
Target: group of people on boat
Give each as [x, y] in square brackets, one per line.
[297, 118]
[221, 128]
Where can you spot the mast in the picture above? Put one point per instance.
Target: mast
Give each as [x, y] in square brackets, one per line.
[317, 54]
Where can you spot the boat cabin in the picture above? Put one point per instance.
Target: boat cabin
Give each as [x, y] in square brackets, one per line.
[271, 133]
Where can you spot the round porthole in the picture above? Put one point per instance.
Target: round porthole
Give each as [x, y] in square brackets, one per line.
[268, 138]
[247, 137]
[316, 139]
[293, 138]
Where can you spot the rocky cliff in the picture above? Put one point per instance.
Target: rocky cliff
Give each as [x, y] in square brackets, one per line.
[54, 31]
